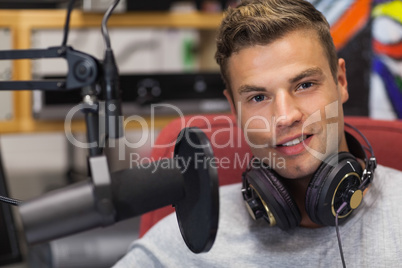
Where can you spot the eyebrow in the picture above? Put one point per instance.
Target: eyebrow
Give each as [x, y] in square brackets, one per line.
[306, 73]
[248, 88]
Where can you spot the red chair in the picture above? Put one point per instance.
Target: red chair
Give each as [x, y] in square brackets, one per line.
[228, 142]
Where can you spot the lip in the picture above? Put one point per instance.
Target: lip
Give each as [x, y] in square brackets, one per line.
[290, 139]
[294, 149]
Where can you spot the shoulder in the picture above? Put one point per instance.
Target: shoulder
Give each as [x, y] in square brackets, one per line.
[387, 182]
[388, 179]
[384, 194]
[386, 171]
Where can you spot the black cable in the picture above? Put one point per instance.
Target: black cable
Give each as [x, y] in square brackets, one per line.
[10, 201]
[340, 209]
[105, 32]
[67, 23]
[111, 79]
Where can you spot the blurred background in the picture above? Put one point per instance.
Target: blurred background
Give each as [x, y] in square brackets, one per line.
[165, 53]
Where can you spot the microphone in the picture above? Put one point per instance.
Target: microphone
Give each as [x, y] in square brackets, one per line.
[188, 181]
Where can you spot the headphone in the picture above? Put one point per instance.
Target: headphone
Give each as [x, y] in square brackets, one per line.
[339, 179]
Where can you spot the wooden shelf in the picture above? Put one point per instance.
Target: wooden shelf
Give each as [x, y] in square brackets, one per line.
[32, 19]
[22, 22]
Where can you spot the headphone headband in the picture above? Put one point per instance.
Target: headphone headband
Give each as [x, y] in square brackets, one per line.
[359, 151]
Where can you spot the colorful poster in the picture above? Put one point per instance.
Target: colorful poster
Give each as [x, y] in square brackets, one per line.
[368, 35]
[351, 32]
[385, 100]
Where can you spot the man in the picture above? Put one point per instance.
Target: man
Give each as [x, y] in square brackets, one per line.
[286, 86]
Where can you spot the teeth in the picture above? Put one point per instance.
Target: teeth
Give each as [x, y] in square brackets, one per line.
[295, 141]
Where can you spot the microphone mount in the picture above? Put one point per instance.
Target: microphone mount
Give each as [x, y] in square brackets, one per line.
[83, 69]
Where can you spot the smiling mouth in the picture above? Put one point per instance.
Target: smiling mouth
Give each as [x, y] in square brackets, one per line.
[295, 141]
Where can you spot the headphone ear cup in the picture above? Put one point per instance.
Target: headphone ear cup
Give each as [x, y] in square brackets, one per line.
[329, 185]
[275, 196]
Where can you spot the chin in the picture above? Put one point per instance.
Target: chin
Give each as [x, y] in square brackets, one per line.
[294, 174]
[299, 169]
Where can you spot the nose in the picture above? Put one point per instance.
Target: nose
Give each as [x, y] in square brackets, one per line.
[287, 110]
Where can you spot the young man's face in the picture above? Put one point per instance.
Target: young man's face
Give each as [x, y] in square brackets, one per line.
[288, 104]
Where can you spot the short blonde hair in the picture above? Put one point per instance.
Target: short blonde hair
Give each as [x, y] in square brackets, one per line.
[260, 22]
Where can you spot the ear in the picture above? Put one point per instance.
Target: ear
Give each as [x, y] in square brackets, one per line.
[342, 81]
[230, 100]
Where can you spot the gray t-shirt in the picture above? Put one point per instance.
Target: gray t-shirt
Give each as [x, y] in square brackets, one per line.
[372, 237]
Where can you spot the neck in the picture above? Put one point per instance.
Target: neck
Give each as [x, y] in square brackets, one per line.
[297, 189]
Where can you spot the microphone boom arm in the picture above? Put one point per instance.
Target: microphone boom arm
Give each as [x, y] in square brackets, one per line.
[83, 69]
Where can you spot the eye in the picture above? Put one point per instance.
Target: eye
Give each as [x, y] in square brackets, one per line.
[258, 98]
[304, 86]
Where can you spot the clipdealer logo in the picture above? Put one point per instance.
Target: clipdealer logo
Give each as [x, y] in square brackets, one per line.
[147, 132]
